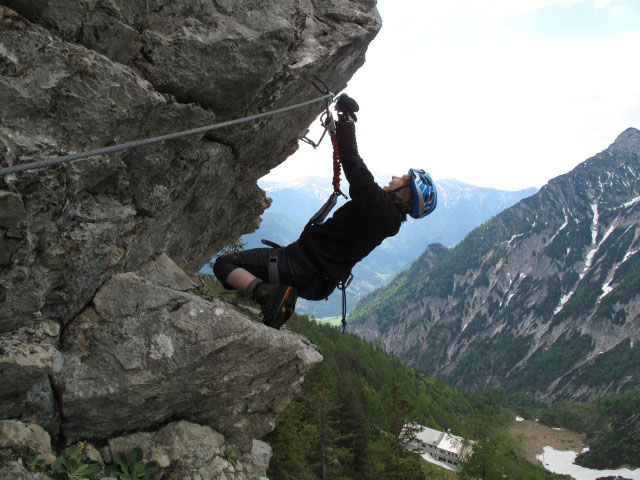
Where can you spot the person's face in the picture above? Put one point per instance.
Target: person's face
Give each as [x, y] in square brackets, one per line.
[396, 182]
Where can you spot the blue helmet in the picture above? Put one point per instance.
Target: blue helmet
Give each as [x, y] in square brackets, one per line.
[425, 197]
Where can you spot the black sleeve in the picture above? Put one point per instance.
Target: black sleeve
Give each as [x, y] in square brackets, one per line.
[363, 190]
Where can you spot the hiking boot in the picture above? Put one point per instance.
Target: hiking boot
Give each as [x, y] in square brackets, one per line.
[277, 303]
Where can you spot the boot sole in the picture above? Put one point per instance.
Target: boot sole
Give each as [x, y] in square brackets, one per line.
[281, 313]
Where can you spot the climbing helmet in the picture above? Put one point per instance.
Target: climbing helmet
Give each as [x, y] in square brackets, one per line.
[425, 197]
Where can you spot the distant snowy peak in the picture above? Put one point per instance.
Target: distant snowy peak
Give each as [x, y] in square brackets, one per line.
[451, 192]
[314, 187]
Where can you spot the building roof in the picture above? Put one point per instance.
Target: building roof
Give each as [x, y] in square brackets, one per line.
[443, 440]
[428, 435]
[452, 443]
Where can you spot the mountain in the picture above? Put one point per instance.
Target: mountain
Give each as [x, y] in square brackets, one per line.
[461, 207]
[543, 298]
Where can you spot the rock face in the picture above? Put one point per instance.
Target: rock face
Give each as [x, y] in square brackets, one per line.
[143, 353]
[189, 451]
[543, 299]
[182, 451]
[193, 64]
[88, 300]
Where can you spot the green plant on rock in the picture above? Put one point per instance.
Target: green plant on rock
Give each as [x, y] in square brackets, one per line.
[31, 461]
[74, 466]
[231, 459]
[132, 466]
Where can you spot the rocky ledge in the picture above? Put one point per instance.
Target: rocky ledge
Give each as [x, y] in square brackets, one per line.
[147, 352]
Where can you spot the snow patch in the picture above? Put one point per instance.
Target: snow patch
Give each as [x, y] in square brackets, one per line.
[514, 237]
[631, 202]
[606, 288]
[563, 300]
[563, 463]
[594, 225]
[562, 227]
[594, 250]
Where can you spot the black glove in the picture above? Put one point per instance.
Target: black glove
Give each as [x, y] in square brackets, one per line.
[347, 105]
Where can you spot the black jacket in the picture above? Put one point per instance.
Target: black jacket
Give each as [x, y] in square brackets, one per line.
[357, 227]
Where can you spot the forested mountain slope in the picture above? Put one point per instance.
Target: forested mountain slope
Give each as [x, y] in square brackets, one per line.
[543, 298]
[342, 425]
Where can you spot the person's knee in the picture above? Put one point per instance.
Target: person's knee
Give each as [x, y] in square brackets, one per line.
[222, 267]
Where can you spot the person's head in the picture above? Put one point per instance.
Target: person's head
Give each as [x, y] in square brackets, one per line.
[414, 193]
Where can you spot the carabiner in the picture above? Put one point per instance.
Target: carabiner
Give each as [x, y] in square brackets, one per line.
[326, 119]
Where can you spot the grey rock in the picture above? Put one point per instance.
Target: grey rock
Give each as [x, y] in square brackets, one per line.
[221, 54]
[92, 453]
[12, 210]
[187, 198]
[15, 471]
[186, 450]
[144, 353]
[260, 455]
[162, 271]
[18, 435]
[40, 407]
[27, 357]
[76, 239]
[89, 219]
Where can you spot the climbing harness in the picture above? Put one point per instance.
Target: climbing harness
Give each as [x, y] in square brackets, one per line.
[274, 278]
[328, 96]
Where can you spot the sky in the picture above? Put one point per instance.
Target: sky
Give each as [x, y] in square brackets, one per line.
[504, 94]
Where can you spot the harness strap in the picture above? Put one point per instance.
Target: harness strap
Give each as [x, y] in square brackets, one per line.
[271, 244]
[274, 272]
[320, 216]
[343, 286]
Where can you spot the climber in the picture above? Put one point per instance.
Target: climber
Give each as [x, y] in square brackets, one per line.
[324, 255]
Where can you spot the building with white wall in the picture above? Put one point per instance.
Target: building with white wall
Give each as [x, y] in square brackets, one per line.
[443, 447]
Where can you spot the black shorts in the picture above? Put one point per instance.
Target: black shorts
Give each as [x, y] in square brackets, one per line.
[295, 269]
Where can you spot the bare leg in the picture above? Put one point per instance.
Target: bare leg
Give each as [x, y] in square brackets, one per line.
[240, 279]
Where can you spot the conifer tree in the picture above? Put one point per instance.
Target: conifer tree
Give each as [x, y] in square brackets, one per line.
[354, 424]
[290, 445]
[403, 431]
[326, 453]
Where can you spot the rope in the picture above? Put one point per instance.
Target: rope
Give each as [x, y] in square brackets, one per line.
[138, 143]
